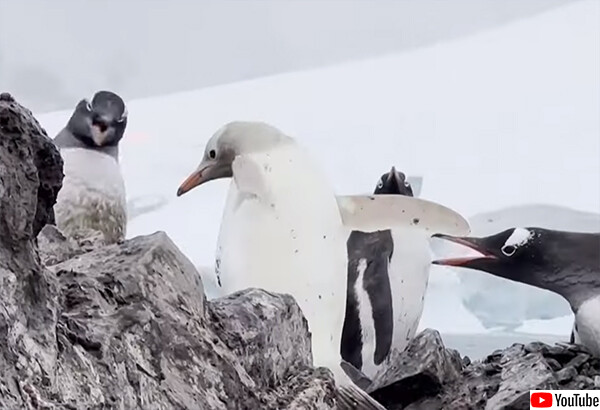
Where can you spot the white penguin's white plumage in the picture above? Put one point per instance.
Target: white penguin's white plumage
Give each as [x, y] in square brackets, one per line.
[409, 275]
[283, 231]
[286, 237]
[92, 196]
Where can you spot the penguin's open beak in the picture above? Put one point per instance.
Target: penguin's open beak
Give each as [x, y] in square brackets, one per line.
[472, 243]
[101, 130]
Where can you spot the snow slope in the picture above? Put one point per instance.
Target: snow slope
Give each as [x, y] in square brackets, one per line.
[508, 117]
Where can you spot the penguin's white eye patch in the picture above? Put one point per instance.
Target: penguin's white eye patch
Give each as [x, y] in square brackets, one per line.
[518, 237]
[380, 183]
[124, 115]
[88, 105]
[509, 250]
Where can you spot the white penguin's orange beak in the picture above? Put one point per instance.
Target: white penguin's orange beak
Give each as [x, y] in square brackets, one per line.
[195, 179]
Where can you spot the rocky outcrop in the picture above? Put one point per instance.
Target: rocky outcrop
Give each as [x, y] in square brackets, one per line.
[89, 326]
[429, 376]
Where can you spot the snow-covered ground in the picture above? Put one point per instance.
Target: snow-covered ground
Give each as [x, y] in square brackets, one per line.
[505, 118]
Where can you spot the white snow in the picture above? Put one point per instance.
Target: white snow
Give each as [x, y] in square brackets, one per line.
[508, 117]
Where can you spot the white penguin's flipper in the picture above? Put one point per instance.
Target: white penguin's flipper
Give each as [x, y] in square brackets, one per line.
[350, 397]
[416, 183]
[370, 213]
[251, 178]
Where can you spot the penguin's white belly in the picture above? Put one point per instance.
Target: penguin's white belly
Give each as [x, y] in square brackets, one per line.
[287, 239]
[409, 275]
[587, 321]
[92, 195]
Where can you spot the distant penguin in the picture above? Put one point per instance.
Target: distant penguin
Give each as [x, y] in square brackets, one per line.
[388, 273]
[567, 263]
[93, 191]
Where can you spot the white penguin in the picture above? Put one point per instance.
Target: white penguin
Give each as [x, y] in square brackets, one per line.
[93, 192]
[284, 230]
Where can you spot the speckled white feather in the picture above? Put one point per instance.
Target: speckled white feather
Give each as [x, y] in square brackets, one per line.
[92, 196]
[409, 276]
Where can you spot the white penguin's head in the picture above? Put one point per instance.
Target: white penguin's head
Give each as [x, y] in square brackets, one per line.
[233, 139]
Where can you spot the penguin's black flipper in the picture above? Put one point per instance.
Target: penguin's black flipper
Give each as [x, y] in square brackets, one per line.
[356, 375]
[352, 398]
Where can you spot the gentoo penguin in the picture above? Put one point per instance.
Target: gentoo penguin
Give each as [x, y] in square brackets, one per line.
[388, 273]
[567, 263]
[93, 191]
[284, 230]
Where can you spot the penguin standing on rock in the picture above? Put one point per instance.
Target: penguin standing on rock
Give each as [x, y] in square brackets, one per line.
[285, 230]
[93, 193]
[388, 271]
[567, 263]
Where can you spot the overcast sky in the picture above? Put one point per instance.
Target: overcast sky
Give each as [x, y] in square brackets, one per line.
[52, 53]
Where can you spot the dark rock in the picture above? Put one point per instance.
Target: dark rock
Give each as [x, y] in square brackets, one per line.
[560, 354]
[421, 371]
[578, 360]
[31, 173]
[519, 375]
[28, 302]
[245, 322]
[566, 375]
[501, 381]
[535, 347]
[554, 364]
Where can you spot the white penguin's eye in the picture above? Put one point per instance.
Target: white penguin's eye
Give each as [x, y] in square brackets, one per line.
[380, 184]
[509, 250]
[88, 105]
[123, 116]
[212, 154]
[406, 184]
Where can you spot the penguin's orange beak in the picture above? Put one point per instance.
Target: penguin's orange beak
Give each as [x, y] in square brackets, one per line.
[196, 178]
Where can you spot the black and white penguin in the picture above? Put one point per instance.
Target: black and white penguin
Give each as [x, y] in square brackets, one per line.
[93, 192]
[567, 263]
[388, 273]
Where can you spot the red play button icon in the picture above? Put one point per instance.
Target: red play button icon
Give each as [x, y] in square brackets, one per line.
[541, 399]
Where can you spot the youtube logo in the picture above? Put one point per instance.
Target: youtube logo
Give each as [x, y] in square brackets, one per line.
[540, 400]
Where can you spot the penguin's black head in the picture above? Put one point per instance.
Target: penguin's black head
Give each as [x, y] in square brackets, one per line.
[567, 263]
[511, 254]
[393, 183]
[100, 122]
